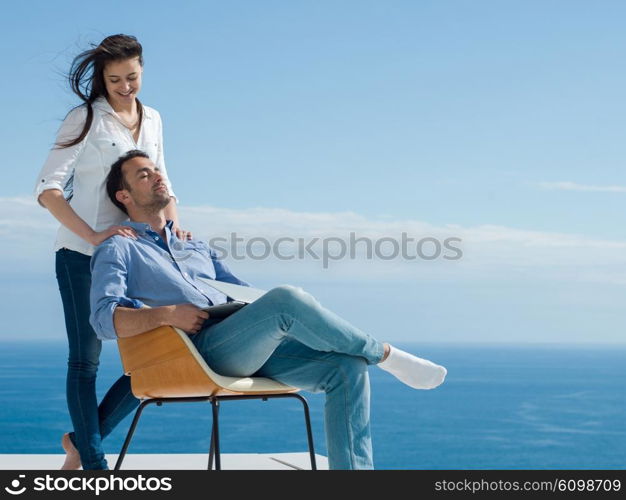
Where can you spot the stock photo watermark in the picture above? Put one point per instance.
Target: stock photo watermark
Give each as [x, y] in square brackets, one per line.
[335, 248]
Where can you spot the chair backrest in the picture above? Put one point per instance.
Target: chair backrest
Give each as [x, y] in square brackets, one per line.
[164, 363]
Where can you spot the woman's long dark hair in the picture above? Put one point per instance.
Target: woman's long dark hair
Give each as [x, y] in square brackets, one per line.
[86, 75]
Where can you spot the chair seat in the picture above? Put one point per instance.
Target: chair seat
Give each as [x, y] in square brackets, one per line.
[164, 363]
[252, 385]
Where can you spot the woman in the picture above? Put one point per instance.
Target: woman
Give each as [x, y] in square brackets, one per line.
[111, 121]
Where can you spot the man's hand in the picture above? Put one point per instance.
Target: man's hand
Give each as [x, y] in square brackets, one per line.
[187, 317]
[129, 322]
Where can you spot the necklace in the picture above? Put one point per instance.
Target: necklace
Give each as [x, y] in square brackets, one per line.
[131, 126]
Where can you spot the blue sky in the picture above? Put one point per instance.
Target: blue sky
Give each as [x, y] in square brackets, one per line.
[498, 121]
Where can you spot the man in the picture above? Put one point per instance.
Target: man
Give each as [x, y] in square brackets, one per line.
[285, 335]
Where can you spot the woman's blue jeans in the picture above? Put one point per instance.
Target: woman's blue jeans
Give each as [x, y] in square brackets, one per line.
[288, 336]
[92, 423]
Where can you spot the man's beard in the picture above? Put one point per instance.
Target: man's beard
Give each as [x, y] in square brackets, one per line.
[158, 203]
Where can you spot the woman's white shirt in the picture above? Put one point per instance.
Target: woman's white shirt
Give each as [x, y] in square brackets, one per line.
[90, 161]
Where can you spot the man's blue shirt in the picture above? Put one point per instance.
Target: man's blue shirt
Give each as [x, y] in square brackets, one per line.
[150, 271]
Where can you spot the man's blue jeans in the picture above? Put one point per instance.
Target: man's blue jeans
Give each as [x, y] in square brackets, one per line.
[288, 336]
[91, 423]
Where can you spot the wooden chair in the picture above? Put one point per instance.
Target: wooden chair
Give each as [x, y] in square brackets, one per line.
[165, 367]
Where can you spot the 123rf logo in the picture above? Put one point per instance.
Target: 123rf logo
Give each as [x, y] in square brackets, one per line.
[16, 487]
[96, 485]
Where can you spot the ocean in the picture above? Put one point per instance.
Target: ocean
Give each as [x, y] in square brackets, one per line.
[501, 407]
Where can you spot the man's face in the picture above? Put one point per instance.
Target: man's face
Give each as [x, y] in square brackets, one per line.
[146, 190]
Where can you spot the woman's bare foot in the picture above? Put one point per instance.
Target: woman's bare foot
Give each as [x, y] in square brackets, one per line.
[72, 458]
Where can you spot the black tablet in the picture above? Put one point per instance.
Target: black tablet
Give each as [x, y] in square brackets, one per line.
[224, 310]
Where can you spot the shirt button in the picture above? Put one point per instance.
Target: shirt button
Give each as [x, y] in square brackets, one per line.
[156, 238]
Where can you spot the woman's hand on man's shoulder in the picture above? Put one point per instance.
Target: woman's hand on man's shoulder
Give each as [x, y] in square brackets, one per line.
[181, 234]
[100, 236]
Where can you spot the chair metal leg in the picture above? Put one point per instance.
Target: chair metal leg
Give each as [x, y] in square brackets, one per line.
[309, 432]
[307, 417]
[214, 451]
[212, 448]
[216, 435]
[131, 431]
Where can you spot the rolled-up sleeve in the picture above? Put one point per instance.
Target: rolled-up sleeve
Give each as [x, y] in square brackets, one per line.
[160, 162]
[60, 162]
[109, 272]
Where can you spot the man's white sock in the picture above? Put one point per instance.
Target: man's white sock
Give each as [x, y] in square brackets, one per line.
[413, 371]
